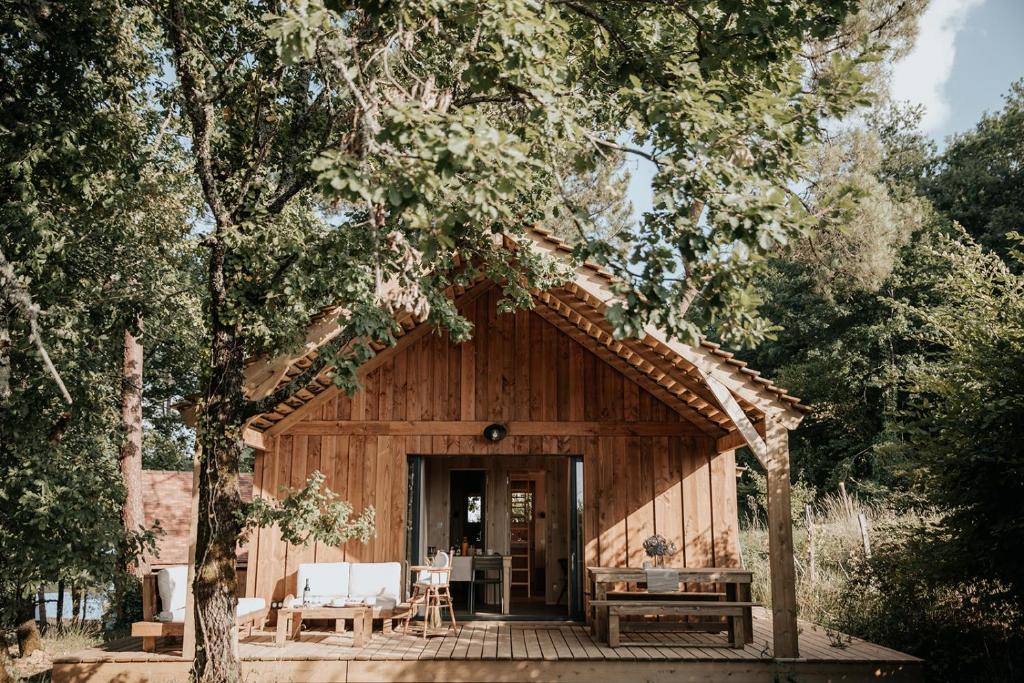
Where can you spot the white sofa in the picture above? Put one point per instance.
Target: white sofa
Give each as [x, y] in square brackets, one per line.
[329, 580]
[169, 588]
[172, 587]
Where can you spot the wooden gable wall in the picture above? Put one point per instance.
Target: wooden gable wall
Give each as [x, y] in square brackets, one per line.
[432, 397]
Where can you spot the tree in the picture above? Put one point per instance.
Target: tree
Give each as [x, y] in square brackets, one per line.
[841, 295]
[968, 414]
[978, 178]
[351, 154]
[82, 185]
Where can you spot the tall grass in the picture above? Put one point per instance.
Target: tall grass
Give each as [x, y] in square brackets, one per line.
[902, 597]
[838, 553]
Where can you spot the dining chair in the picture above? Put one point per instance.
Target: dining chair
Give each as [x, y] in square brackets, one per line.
[488, 570]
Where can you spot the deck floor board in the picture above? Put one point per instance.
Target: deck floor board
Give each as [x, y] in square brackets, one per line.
[540, 641]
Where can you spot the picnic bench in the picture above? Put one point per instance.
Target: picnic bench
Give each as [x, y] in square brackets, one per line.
[733, 611]
[609, 605]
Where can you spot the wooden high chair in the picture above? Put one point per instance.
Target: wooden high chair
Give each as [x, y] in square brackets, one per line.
[432, 591]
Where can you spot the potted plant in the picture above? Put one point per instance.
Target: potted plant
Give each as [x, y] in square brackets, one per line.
[658, 548]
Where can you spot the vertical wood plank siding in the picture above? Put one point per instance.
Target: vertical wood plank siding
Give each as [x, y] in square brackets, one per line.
[516, 368]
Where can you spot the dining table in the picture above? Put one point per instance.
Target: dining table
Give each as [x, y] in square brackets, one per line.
[603, 580]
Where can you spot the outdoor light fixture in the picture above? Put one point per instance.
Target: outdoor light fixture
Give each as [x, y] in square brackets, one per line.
[495, 432]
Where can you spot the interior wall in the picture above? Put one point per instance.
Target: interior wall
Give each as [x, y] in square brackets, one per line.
[517, 368]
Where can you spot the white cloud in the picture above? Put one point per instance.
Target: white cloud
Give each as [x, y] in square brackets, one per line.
[921, 76]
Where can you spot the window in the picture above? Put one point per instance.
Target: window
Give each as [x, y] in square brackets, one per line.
[522, 507]
[473, 510]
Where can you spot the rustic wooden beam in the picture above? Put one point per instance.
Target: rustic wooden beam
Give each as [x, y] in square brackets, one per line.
[265, 374]
[739, 418]
[476, 428]
[253, 438]
[782, 574]
[732, 441]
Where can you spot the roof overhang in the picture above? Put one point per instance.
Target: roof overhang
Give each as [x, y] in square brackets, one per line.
[710, 388]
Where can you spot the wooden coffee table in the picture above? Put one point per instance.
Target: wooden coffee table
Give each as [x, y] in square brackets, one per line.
[361, 616]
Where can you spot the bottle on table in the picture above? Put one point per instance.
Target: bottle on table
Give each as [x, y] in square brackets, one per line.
[305, 593]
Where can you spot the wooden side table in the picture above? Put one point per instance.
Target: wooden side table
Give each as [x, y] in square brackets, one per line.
[361, 616]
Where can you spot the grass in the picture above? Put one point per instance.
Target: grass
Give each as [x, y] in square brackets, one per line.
[839, 554]
[965, 629]
[56, 643]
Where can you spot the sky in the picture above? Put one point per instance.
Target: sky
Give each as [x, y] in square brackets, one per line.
[967, 54]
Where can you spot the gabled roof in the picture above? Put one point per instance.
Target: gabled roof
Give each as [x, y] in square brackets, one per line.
[704, 383]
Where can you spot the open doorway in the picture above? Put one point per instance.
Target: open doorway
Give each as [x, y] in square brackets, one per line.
[521, 509]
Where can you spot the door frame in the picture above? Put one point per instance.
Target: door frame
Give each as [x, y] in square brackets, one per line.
[415, 537]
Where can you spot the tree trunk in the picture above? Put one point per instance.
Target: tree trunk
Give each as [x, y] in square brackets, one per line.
[75, 600]
[130, 457]
[131, 448]
[214, 587]
[83, 605]
[60, 606]
[27, 630]
[41, 603]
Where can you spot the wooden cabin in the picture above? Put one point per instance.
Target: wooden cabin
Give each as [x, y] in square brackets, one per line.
[609, 441]
[544, 439]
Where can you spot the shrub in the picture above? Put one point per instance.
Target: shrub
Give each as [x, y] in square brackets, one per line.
[903, 596]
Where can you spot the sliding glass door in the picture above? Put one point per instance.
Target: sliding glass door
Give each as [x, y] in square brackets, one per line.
[576, 538]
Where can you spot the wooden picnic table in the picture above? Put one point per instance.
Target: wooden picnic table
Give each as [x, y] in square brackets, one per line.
[736, 581]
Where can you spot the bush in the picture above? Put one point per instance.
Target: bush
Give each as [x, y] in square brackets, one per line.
[903, 596]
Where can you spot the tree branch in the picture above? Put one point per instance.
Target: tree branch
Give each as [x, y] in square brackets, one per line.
[200, 112]
[19, 298]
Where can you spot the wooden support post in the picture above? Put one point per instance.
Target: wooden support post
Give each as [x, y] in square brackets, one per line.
[862, 521]
[188, 644]
[780, 543]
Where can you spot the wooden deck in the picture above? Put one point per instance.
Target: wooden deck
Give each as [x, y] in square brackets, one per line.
[510, 651]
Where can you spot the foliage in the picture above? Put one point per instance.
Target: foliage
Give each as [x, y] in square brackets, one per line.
[915, 381]
[845, 347]
[365, 157]
[752, 489]
[312, 514]
[93, 212]
[62, 520]
[599, 197]
[977, 180]
[965, 630]
[967, 418]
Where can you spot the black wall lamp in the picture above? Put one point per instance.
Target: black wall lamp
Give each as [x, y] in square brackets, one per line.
[495, 432]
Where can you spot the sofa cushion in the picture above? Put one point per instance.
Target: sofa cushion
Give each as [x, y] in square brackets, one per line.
[244, 606]
[249, 605]
[382, 580]
[172, 583]
[177, 616]
[326, 579]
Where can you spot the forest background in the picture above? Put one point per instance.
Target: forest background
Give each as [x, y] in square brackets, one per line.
[896, 312]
